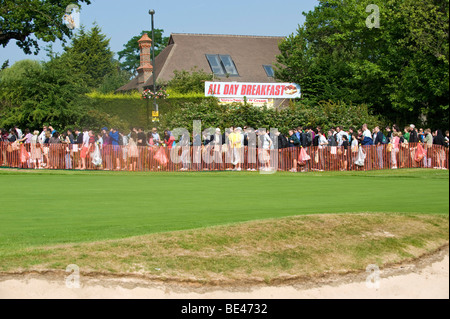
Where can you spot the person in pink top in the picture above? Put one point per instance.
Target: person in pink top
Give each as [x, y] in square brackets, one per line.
[395, 148]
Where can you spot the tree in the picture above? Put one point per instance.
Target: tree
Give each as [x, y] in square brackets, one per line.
[5, 65]
[189, 82]
[400, 69]
[30, 20]
[89, 56]
[114, 80]
[34, 93]
[131, 54]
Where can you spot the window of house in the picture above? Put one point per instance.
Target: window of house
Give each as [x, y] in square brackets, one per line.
[222, 65]
[269, 71]
[228, 64]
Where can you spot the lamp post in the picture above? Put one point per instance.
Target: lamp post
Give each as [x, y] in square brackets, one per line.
[152, 13]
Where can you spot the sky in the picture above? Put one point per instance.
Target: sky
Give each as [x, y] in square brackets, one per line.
[120, 20]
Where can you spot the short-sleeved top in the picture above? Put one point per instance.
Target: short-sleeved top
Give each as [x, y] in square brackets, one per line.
[406, 136]
[428, 140]
[235, 140]
[266, 141]
[322, 140]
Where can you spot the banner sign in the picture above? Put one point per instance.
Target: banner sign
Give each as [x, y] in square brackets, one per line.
[254, 102]
[253, 90]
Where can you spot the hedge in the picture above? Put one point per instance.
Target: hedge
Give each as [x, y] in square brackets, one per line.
[125, 111]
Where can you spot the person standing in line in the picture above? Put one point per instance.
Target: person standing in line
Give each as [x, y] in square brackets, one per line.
[236, 145]
[355, 147]
[141, 143]
[294, 144]
[19, 132]
[36, 150]
[265, 150]
[389, 134]
[133, 151]
[379, 141]
[107, 150]
[156, 137]
[114, 134]
[84, 148]
[323, 142]
[42, 135]
[428, 147]
[406, 133]
[216, 144]
[298, 132]
[185, 151]
[413, 136]
[69, 141]
[283, 144]
[78, 144]
[55, 151]
[350, 135]
[439, 142]
[346, 153]
[331, 151]
[395, 142]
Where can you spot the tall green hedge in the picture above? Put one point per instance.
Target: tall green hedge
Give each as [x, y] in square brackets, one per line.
[124, 111]
[324, 114]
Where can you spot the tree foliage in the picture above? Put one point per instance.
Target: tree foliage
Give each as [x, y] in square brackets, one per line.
[28, 21]
[33, 93]
[185, 82]
[89, 56]
[325, 114]
[400, 70]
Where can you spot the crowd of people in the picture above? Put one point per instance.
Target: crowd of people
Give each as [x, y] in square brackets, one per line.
[235, 148]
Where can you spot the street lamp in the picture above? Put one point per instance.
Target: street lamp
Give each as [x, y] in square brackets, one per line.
[152, 13]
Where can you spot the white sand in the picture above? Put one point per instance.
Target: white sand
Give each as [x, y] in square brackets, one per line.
[418, 280]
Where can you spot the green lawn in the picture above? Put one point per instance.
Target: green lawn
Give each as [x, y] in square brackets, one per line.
[41, 208]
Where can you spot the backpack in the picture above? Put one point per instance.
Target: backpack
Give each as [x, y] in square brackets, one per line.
[384, 140]
[316, 140]
[306, 139]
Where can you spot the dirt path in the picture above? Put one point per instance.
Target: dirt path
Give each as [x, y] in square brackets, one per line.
[425, 278]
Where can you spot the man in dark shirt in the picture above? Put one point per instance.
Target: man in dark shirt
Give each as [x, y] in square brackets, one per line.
[379, 143]
[78, 144]
[346, 154]
[141, 142]
[141, 138]
[413, 136]
[294, 144]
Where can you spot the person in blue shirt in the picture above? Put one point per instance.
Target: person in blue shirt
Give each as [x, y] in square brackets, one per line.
[298, 132]
[114, 136]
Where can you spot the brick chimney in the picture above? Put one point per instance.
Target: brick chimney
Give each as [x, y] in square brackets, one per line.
[145, 69]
